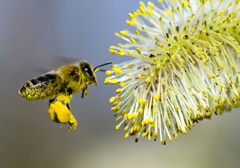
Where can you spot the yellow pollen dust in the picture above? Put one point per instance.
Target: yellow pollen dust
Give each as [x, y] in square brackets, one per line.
[130, 53]
[148, 80]
[108, 72]
[117, 127]
[112, 99]
[107, 80]
[130, 15]
[142, 4]
[132, 40]
[139, 76]
[124, 112]
[122, 84]
[120, 45]
[123, 32]
[141, 101]
[129, 75]
[138, 50]
[140, 110]
[114, 81]
[157, 96]
[137, 32]
[112, 47]
[118, 35]
[151, 4]
[134, 116]
[118, 91]
[119, 72]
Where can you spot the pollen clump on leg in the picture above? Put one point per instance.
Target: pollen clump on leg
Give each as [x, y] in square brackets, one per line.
[59, 113]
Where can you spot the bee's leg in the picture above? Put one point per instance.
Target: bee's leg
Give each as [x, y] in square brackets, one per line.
[72, 121]
[68, 106]
[60, 112]
[85, 90]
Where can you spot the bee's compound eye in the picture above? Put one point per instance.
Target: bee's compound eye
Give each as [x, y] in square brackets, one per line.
[87, 70]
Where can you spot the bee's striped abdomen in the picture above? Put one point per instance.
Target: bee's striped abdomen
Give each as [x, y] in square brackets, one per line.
[41, 87]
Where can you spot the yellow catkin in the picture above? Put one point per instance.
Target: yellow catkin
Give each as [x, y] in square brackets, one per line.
[181, 74]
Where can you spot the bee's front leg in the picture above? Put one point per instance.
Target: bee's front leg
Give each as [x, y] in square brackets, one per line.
[84, 91]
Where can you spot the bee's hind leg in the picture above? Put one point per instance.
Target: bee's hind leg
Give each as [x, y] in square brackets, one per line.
[60, 112]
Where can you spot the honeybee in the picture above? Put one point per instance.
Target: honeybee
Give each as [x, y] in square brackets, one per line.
[59, 86]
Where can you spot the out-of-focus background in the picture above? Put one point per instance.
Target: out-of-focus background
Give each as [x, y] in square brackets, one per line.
[34, 34]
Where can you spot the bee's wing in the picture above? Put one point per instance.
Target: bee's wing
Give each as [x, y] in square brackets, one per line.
[61, 60]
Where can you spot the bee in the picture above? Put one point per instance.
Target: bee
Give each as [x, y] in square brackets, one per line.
[59, 86]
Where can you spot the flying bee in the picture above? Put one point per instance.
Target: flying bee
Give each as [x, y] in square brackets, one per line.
[59, 86]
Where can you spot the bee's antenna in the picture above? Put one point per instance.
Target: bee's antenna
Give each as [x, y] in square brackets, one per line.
[95, 69]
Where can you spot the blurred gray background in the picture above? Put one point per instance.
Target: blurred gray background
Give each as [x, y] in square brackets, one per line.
[33, 35]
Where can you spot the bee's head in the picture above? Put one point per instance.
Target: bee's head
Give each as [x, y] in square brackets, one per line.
[88, 72]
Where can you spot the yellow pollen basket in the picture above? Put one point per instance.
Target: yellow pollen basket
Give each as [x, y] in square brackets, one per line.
[61, 114]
